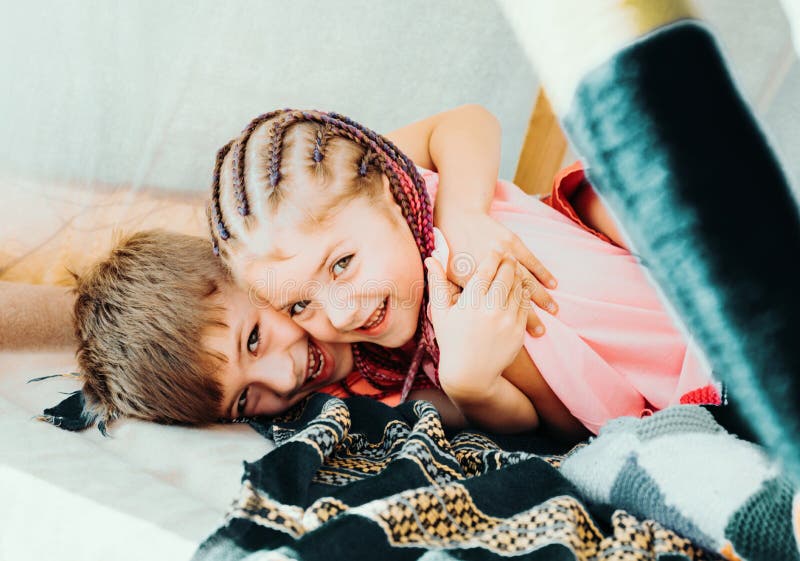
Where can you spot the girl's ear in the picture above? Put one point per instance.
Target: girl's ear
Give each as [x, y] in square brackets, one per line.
[387, 190]
[389, 203]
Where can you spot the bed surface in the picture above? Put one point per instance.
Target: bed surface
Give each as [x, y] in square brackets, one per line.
[146, 492]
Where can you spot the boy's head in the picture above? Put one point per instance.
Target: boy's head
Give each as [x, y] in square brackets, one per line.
[140, 316]
[164, 335]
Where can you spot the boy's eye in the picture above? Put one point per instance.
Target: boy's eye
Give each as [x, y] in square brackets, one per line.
[241, 403]
[339, 267]
[253, 339]
[298, 307]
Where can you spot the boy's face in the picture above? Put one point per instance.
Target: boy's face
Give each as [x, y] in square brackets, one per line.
[272, 363]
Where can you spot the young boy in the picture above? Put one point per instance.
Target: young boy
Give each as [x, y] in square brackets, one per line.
[164, 335]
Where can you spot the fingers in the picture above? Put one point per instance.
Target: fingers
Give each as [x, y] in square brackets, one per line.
[534, 325]
[442, 293]
[512, 288]
[524, 310]
[519, 305]
[532, 264]
[540, 296]
[526, 313]
[505, 281]
[484, 275]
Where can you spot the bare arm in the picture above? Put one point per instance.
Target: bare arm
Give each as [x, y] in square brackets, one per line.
[501, 408]
[35, 317]
[554, 417]
[463, 145]
[452, 418]
[504, 410]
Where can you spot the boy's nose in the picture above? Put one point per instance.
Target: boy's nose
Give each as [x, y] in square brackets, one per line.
[279, 370]
[283, 333]
[280, 378]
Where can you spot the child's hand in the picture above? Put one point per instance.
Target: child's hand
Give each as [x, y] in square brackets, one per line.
[481, 329]
[474, 236]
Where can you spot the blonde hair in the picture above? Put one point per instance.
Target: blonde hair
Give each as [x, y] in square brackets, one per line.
[140, 317]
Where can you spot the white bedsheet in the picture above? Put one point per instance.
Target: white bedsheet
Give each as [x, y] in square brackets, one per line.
[146, 492]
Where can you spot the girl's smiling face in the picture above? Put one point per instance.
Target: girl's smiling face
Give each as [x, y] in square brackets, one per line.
[352, 275]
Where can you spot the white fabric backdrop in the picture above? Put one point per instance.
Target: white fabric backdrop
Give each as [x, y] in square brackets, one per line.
[101, 95]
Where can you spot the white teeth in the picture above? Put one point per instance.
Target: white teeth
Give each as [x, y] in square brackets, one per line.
[316, 362]
[321, 367]
[376, 317]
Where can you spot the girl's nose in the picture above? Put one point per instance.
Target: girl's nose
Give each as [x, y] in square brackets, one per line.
[342, 316]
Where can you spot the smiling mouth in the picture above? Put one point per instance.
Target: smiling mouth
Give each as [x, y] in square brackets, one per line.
[376, 318]
[315, 363]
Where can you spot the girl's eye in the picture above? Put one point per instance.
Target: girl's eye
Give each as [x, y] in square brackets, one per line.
[241, 403]
[253, 339]
[339, 267]
[298, 307]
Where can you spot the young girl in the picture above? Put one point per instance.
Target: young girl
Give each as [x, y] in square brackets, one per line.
[294, 216]
[263, 350]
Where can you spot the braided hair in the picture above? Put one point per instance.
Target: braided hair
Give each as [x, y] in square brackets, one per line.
[255, 179]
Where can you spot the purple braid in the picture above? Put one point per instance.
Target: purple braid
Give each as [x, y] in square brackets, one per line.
[218, 227]
[319, 148]
[408, 187]
[239, 188]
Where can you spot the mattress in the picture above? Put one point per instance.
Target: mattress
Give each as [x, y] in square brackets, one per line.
[145, 492]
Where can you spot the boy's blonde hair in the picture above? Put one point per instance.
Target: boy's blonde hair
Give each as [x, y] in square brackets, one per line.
[140, 317]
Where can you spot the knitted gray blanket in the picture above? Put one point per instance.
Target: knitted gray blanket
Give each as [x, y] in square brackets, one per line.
[680, 468]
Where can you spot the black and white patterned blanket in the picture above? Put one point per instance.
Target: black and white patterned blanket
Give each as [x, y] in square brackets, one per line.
[355, 479]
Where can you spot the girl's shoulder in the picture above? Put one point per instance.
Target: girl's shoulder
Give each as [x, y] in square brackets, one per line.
[567, 183]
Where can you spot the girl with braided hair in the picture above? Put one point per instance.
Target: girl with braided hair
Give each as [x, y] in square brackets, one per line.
[332, 224]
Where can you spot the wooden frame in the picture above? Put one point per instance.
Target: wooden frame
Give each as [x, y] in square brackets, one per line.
[543, 149]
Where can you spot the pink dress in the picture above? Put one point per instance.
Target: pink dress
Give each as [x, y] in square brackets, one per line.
[613, 349]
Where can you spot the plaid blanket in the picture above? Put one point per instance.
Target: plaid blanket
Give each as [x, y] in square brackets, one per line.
[355, 479]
